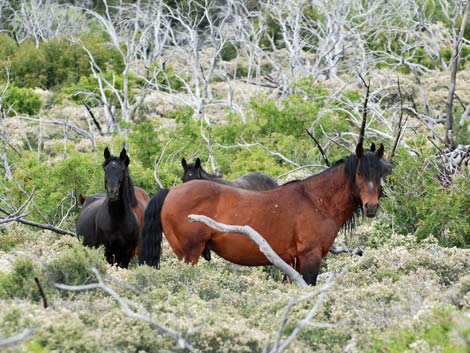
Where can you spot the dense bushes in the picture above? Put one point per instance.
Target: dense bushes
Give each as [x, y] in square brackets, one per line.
[21, 101]
[420, 205]
[54, 63]
[405, 289]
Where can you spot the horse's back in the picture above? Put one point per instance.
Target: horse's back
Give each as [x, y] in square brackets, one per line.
[86, 221]
[257, 181]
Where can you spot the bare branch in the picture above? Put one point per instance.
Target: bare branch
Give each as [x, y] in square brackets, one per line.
[157, 164]
[322, 151]
[11, 341]
[280, 346]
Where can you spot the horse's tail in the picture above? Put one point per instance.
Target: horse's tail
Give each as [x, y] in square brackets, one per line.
[152, 233]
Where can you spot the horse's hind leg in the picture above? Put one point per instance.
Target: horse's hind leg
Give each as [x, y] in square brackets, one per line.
[206, 253]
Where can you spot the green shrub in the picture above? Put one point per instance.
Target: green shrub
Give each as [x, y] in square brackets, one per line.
[418, 204]
[56, 187]
[22, 101]
[74, 264]
[56, 62]
[229, 52]
[19, 283]
[434, 337]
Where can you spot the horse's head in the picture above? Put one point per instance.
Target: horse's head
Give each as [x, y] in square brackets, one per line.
[370, 171]
[191, 171]
[115, 170]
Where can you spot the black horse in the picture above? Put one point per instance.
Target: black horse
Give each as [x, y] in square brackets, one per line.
[114, 219]
[249, 181]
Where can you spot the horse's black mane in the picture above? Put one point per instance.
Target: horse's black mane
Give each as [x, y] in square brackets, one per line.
[371, 168]
[128, 180]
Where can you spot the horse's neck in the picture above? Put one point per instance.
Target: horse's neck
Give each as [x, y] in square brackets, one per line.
[331, 193]
[124, 205]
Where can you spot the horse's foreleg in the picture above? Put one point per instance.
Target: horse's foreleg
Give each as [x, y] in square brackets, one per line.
[309, 267]
[108, 253]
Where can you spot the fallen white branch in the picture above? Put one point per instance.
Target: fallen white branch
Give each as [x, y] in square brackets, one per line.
[11, 341]
[264, 247]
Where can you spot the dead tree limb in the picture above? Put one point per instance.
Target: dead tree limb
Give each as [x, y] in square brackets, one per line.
[264, 247]
[322, 151]
[400, 120]
[364, 111]
[41, 292]
[97, 124]
[454, 64]
[157, 164]
[11, 341]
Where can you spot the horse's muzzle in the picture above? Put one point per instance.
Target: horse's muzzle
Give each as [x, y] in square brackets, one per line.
[370, 209]
[113, 196]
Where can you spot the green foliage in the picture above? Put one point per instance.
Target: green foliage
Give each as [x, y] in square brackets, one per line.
[56, 62]
[420, 205]
[56, 187]
[229, 52]
[19, 283]
[145, 143]
[435, 336]
[7, 47]
[87, 90]
[21, 101]
[74, 265]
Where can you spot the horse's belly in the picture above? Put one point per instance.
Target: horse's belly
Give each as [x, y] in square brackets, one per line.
[241, 250]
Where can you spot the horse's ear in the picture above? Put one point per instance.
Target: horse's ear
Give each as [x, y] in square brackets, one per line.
[372, 147]
[380, 151]
[183, 163]
[123, 154]
[359, 150]
[124, 157]
[198, 163]
[107, 154]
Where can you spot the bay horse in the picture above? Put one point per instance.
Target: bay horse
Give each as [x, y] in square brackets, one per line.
[299, 220]
[115, 218]
[249, 181]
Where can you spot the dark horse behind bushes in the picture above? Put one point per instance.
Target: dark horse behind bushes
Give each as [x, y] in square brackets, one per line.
[300, 220]
[114, 219]
[249, 181]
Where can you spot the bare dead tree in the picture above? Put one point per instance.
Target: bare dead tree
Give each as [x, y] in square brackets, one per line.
[136, 32]
[43, 20]
[454, 66]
